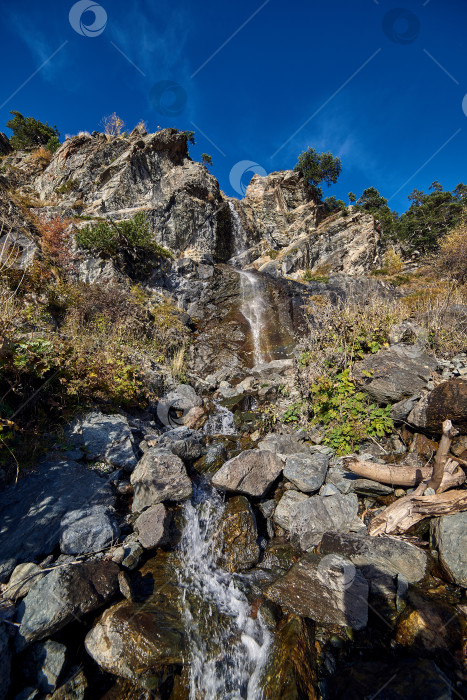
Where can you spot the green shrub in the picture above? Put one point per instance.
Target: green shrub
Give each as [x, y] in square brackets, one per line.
[29, 133]
[110, 238]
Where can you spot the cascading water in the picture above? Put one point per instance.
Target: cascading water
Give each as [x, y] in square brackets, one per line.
[220, 422]
[254, 309]
[238, 232]
[227, 648]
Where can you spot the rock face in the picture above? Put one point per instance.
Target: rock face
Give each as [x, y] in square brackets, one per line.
[117, 177]
[33, 509]
[449, 534]
[251, 473]
[277, 207]
[66, 593]
[447, 400]
[310, 517]
[5, 145]
[385, 554]
[238, 535]
[329, 590]
[348, 245]
[394, 374]
[88, 530]
[159, 476]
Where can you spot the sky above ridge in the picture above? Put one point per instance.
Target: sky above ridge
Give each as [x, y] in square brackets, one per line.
[382, 86]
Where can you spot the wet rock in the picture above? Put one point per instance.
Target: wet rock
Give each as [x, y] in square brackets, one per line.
[251, 473]
[159, 476]
[42, 665]
[33, 508]
[306, 472]
[238, 535]
[290, 671]
[142, 640]
[394, 374]
[410, 679]
[429, 626]
[388, 554]
[5, 662]
[309, 519]
[23, 578]
[212, 460]
[447, 400]
[151, 525]
[108, 438]
[88, 530]
[329, 590]
[279, 556]
[449, 536]
[65, 594]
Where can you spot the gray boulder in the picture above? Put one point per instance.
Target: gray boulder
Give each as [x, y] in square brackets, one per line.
[88, 530]
[286, 510]
[329, 590]
[394, 374]
[108, 438]
[23, 578]
[32, 509]
[151, 526]
[183, 442]
[306, 472]
[385, 554]
[449, 536]
[42, 664]
[311, 517]
[65, 594]
[251, 473]
[159, 476]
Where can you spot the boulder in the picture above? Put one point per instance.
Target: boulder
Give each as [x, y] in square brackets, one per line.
[108, 438]
[74, 688]
[310, 517]
[429, 625]
[307, 473]
[329, 590]
[151, 526]
[238, 536]
[65, 594]
[286, 510]
[449, 536]
[394, 374]
[88, 530]
[283, 445]
[159, 476]
[183, 442]
[32, 509]
[42, 665]
[251, 473]
[447, 400]
[387, 554]
[23, 578]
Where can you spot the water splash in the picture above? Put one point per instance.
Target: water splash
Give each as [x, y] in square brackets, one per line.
[220, 422]
[228, 649]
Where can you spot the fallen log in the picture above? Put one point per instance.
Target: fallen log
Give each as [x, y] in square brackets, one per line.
[407, 511]
[403, 475]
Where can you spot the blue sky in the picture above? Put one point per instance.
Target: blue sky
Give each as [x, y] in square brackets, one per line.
[377, 83]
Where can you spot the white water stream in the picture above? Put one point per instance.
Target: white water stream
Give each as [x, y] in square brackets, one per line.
[254, 308]
[221, 422]
[228, 649]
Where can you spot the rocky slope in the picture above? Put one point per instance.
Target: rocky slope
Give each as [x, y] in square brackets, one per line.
[213, 542]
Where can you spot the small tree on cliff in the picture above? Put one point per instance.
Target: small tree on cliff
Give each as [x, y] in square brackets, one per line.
[318, 167]
[31, 133]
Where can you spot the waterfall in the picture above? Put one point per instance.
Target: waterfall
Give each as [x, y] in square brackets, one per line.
[227, 649]
[254, 309]
[238, 232]
[221, 422]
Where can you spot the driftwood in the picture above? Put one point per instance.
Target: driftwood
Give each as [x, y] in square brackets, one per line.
[403, 475]
[401, 515]
[406, 512]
